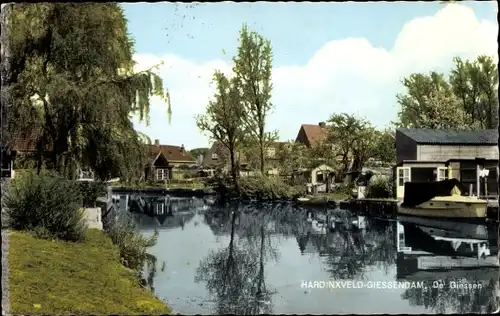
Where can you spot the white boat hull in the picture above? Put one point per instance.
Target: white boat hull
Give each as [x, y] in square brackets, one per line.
[448, 209]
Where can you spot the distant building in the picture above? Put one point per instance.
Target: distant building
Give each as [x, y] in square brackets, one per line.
[310, 134]
[165, 160]
[217, 157]
[434, 155]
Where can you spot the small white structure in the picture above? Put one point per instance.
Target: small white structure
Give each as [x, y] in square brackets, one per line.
[319, 174]
[93, 217]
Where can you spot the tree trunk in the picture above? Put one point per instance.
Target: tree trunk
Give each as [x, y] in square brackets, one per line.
[262, 169]
[233, 170]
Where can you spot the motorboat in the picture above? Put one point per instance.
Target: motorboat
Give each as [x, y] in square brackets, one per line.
[441, 199]
[447, 228]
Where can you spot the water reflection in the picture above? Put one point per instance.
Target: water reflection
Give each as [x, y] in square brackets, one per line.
[252, 258]
[460, 273]
[236, 275]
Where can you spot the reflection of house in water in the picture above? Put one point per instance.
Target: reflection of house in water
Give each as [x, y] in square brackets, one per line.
[422, 248]
[449, 267]
[167, 212]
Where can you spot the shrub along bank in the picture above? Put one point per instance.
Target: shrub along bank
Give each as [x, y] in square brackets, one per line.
[256, 187]
[57, 265]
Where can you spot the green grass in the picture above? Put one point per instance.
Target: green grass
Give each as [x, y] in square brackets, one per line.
[49, 277]
[337, 196]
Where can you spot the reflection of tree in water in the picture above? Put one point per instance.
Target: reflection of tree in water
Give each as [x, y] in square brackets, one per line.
[455, 300]
[348, 252]
[236, 276]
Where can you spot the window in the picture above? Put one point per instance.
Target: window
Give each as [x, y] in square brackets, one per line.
[442, 174]
[215, 156]
[161, 174]
[403, 176]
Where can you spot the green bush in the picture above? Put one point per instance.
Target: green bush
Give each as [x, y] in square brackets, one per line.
[90, 191]
[261, 188]
[45, 204]
[378, 188]
[133, 245]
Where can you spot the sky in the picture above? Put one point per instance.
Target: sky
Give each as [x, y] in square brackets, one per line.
[327, 57]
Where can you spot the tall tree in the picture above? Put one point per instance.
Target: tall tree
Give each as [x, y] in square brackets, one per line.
[385, 146]
[223, 118]
[71, 75]
[292, 157]
[252, 66]
[418, 106]
[467, 100]
[475, 85]
[353, 139]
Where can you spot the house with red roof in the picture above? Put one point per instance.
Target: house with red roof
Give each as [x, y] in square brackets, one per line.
[310, 134]
[165, 160]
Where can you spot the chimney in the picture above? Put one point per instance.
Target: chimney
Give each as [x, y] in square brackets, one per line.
[322, 124]
[182, 148]
[157, 142]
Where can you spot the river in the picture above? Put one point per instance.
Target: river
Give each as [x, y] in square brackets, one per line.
[265, 258]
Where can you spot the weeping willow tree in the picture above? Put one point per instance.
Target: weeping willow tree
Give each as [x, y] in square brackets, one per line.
[70, 78]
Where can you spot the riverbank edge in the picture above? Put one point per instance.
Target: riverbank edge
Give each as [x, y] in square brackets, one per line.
[314, 201]
[146, 293]
[158, 190]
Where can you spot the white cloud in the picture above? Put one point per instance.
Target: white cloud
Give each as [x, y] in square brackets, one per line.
[348, 75]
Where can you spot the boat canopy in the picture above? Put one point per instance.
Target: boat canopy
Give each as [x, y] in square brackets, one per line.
[417, 193]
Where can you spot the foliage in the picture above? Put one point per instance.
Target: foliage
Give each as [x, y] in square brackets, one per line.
[199, 151]
[292, 157]
[90, 191]
[78, 102]
[469, 98]
[224, 116]
[379, 187]
[385, 147]
[45, 204]
[132, 245]
[353, 139]
[344, 188]
[76, 278]
[258, 187]
[252, 69]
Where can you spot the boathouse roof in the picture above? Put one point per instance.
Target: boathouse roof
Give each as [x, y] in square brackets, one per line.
[451, 137]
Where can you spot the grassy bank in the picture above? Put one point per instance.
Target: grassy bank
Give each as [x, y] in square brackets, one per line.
[50, 277]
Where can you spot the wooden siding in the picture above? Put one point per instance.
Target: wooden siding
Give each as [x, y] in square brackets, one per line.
[406, 148]
[444, 153]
